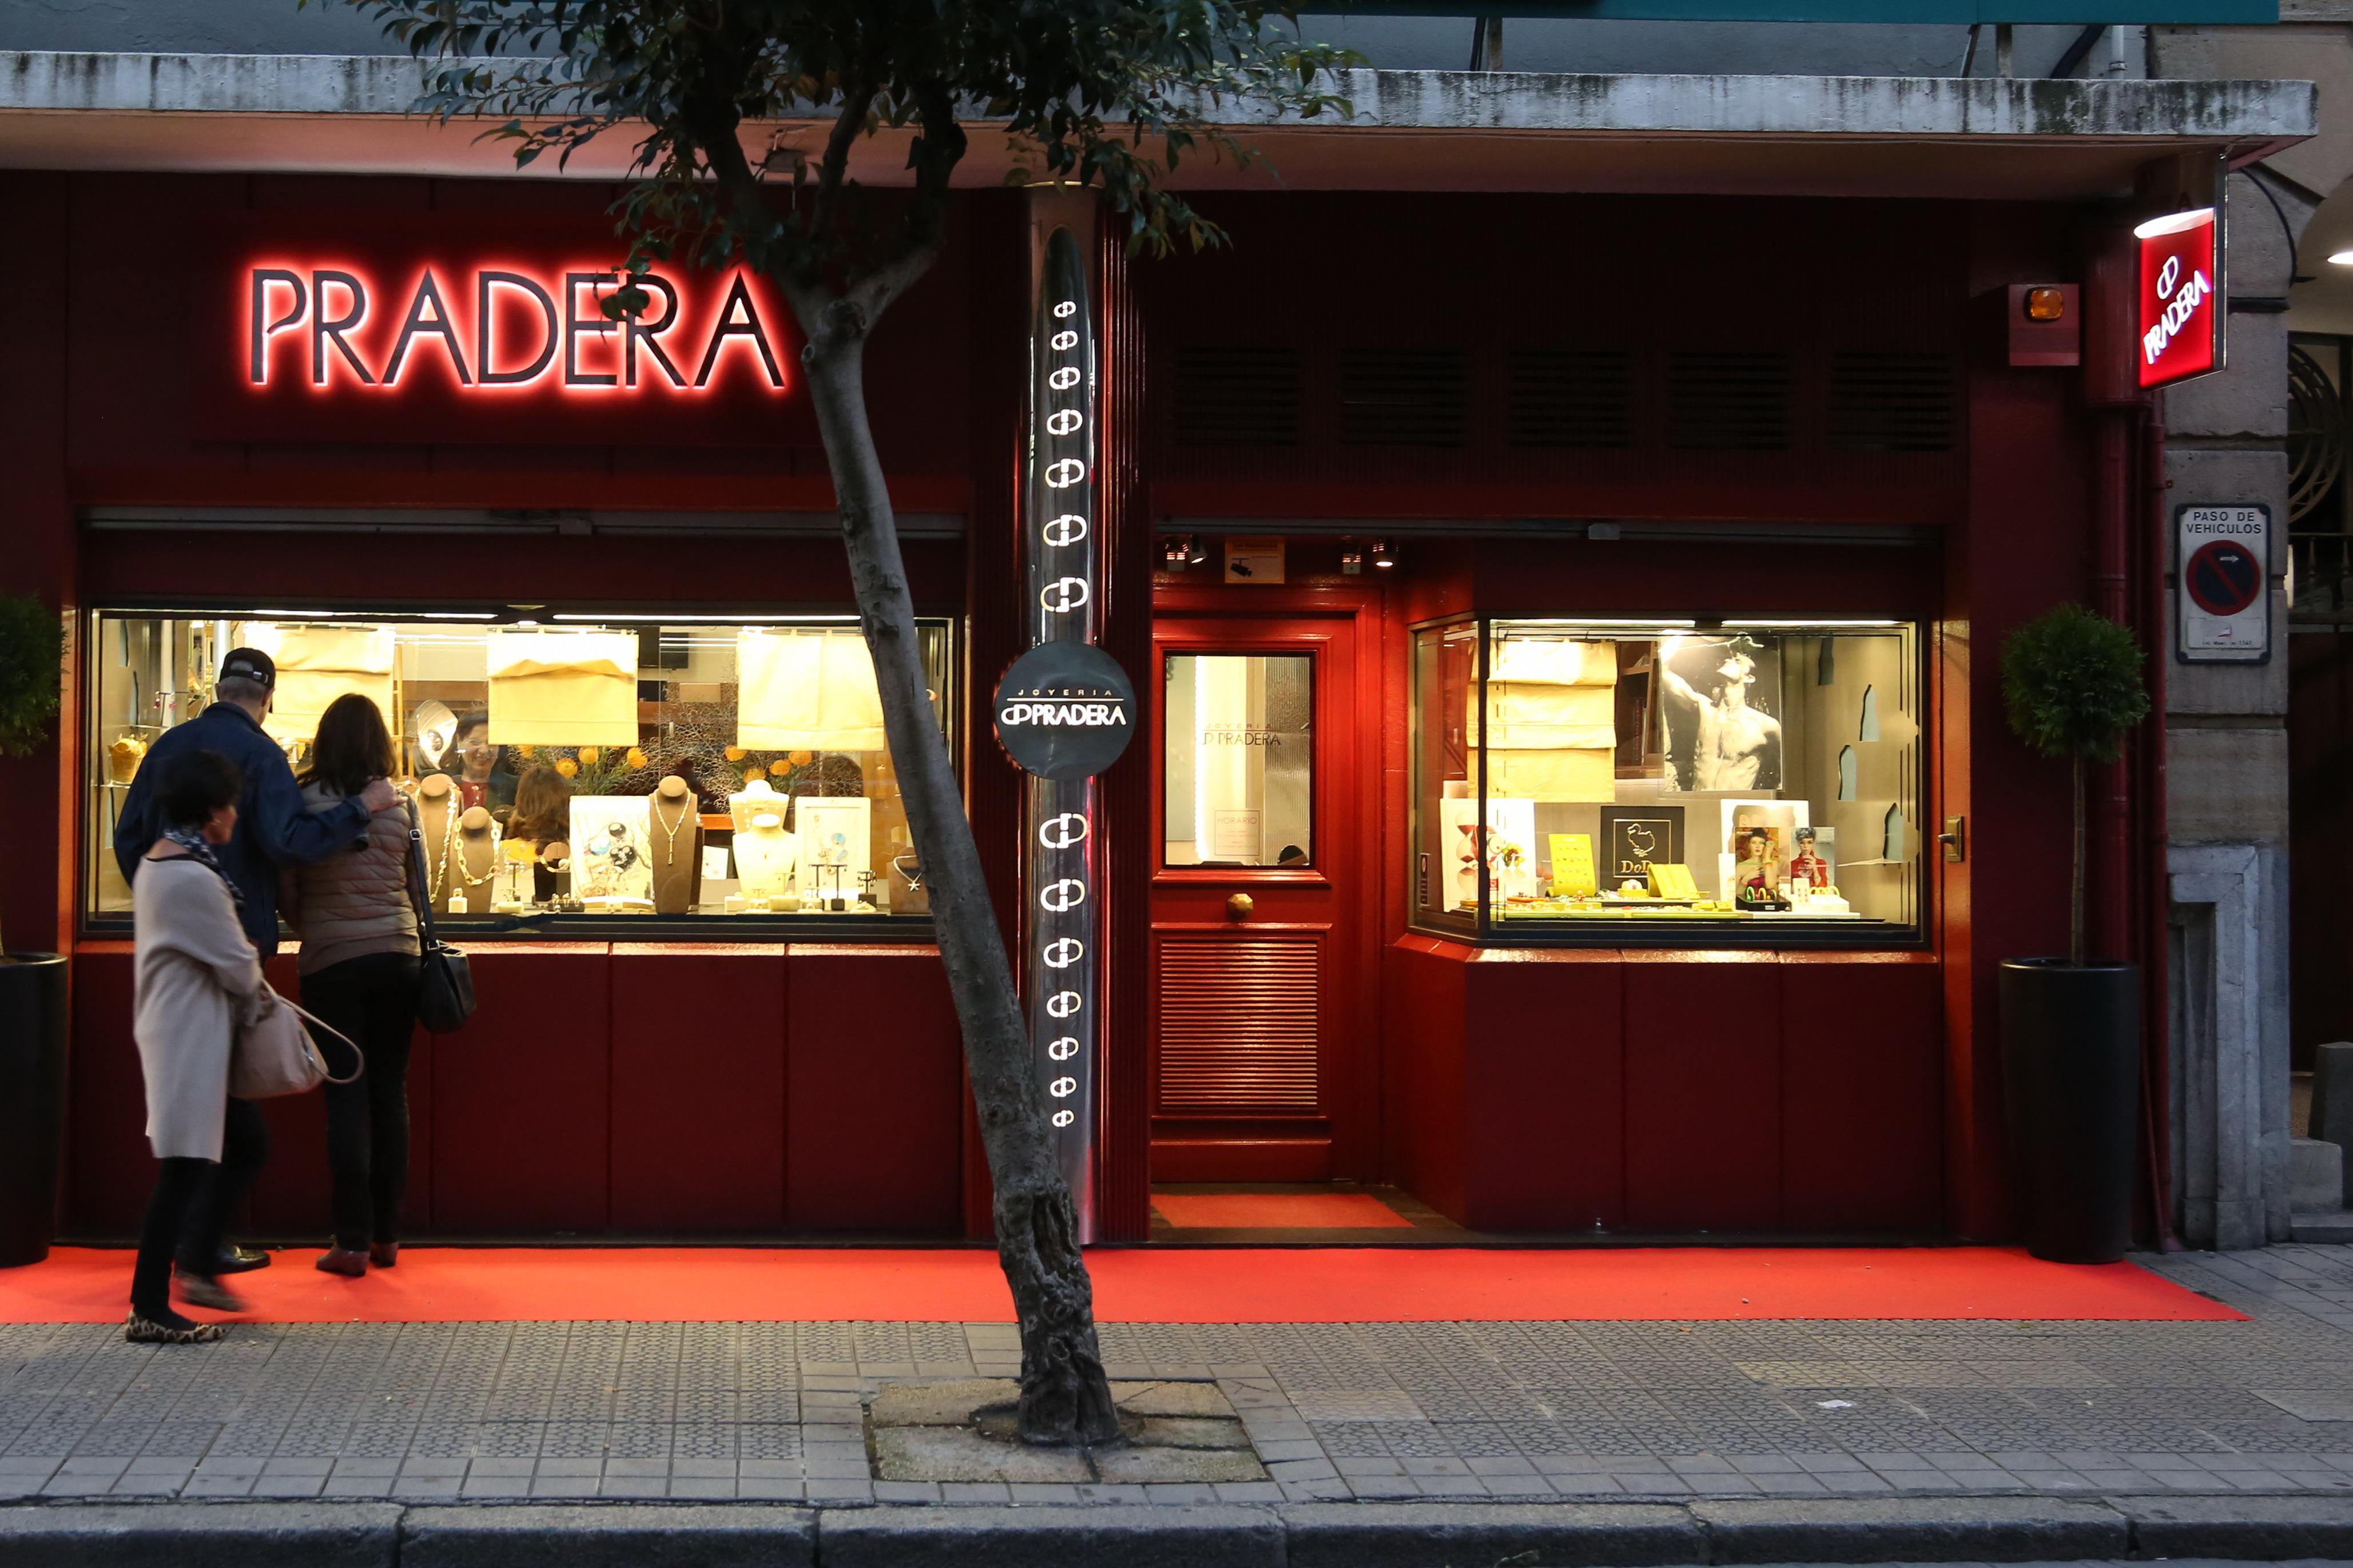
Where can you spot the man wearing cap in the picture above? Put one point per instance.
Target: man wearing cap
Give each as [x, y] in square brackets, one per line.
[272, 828]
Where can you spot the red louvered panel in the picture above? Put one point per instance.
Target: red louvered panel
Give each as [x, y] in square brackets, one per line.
[1237, 1025]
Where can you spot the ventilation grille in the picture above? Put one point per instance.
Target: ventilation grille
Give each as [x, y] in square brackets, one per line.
[1237, 395]
[1892, 403]
[1405, 397]
[1727, 402]
[1571, 398]
[1237, 1025]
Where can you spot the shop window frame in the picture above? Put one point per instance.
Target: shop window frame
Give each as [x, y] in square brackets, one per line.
[91, 925]
[1483, 928]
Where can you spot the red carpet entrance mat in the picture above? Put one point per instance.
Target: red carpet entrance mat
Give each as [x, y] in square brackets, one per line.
[1244, 1285]
[1278, 1211]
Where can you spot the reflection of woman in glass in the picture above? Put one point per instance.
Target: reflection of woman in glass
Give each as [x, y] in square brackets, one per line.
[483, 778]
[542, 819]
[1753, 877]
[1737, 747]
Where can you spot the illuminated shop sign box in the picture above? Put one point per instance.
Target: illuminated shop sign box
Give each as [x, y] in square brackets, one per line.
[449, 330]
[2177, 308]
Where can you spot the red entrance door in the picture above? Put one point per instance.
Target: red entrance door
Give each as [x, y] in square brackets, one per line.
[1262, 1070]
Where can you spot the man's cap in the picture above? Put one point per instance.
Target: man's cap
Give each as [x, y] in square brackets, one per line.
[250, 664]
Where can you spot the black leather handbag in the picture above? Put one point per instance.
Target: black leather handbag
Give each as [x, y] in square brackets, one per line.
[444, 981]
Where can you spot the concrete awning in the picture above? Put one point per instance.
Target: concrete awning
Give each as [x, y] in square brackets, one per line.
[1453, 131]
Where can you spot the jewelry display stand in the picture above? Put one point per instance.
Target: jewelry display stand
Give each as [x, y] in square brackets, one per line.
[436, 817]
[675, 846]
[471, 865]
[765, 859]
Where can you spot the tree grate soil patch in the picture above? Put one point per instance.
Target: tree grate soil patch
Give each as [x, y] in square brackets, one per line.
[962, 1429]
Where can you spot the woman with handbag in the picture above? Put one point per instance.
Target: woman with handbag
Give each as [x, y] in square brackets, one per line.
[359, 969]
[195, 977]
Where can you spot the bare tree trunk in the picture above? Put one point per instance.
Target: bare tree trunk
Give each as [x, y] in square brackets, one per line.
[1065, 1398]
[2075, 893]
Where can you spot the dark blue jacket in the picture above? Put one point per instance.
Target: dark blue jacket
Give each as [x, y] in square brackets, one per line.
[272, 828]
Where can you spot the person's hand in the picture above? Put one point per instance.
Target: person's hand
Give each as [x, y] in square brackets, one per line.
[381, 796]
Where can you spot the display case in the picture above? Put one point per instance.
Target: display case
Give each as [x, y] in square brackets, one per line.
[1684, 782]
[597, 772]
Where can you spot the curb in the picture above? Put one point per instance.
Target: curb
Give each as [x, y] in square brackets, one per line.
[183, 1534]
[1102, 1536]
[247, 1534]
[552, 1536]
[1911, 1530]
[1439, 1535]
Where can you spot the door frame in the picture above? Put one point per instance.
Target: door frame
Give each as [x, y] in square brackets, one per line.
[1347, 800]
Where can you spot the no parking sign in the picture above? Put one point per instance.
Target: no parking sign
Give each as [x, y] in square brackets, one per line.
[2224, 562]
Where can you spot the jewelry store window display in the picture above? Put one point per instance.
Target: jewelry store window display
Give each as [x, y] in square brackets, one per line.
[602, 771]
[1736, 782]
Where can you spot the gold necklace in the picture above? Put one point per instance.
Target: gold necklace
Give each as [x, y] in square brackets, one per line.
[438, 874]
[669, 829]
[469, 878]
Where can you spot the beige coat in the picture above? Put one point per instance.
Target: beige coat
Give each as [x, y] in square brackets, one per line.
[193, 976]
[355, 901]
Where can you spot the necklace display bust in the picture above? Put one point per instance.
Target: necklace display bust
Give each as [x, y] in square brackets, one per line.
[765, 859]
[675, 847]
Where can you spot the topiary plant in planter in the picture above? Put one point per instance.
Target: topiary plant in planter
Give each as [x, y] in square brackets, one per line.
[2072, 683]
[2071, 1028]
[32, 984]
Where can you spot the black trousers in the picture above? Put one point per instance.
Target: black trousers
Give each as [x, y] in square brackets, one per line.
[192, 1203]
[372, 1001]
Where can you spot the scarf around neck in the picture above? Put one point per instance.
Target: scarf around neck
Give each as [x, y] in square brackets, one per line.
[193, 840]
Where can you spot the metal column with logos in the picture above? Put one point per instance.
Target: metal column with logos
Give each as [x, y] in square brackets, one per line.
[1064, 711]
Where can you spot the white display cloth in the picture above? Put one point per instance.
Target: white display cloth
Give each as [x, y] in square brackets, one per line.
[563, 688]
[808, 691]
[315, 665]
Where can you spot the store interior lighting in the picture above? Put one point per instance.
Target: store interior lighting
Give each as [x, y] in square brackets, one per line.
[1384, 557]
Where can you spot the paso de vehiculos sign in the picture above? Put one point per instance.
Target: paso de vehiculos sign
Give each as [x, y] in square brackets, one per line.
[432, 330]
[2179, 310]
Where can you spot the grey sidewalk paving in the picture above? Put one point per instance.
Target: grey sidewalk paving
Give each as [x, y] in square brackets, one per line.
[1528, 1411]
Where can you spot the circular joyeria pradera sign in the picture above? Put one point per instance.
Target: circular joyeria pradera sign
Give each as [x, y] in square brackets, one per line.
[1065, 711]
[2223, 578]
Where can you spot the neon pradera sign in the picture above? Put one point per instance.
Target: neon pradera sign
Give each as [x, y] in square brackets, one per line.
[485, 329]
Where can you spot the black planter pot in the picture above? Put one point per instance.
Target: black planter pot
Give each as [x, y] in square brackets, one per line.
[2070, 1077]
[32, 1102]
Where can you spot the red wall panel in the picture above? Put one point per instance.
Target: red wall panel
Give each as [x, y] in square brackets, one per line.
[874, 1103]
[522, 1096]
[1424, 1060]
[1546, 1101]
[698, 1089]
[1702, 1091]
[109, 1170]
[1862, 1091]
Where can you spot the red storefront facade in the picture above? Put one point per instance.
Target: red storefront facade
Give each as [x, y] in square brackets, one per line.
[1801, 416]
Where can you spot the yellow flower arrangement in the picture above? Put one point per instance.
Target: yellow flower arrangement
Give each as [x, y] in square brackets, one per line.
[636, 757]
[735, 753]
[567, 767]
[780, 767]
[803, 759]
[588, 755]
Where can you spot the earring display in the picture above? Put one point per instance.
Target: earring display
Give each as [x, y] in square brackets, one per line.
[612, 873]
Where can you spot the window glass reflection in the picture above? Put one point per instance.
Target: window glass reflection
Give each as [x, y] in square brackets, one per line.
[1236, 763]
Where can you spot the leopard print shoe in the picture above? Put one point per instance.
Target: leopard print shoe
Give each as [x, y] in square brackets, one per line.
[141, 1331]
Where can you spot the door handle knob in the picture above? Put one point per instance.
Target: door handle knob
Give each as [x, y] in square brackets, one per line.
[1239, 905]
